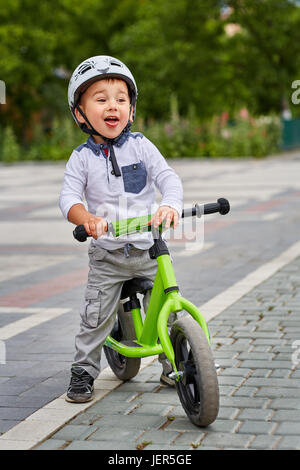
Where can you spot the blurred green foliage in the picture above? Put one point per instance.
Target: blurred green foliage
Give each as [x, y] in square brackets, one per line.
[200, 58]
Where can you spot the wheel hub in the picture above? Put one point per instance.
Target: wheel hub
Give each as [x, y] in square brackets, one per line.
[188, 371]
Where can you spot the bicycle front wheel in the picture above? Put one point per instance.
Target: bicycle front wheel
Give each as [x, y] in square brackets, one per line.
[197, 388]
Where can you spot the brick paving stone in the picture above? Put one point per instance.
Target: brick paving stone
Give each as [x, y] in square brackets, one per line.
[161, 437]
[289, 443]
[132, 421]
[285, 404]
[52, 444]
[288, 428]
[152, 409]
[245, 392]
[72, 432]
[273, 392]
[228, 440]
[265, 442]
[100, 445]
[162, 447]
[287, 415]
[169, 397]
[251, 413]
[109, 433]
[223, 425]
[256, 427]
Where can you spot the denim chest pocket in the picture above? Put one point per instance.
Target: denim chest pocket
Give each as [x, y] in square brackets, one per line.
[134, 177]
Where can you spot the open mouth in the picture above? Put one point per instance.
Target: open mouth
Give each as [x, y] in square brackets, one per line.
[111, 121]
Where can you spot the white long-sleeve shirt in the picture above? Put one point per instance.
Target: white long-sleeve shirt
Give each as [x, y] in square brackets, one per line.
[89, 174]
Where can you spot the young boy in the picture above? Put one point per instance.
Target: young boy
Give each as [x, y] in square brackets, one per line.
[117, 172]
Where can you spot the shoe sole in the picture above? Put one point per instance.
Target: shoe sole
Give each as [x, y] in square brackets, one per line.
[78, 400]
[166, 381]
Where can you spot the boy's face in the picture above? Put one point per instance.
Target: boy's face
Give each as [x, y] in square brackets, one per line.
[106, 104]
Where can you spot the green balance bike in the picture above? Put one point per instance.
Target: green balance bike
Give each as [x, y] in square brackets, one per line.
[187, 347]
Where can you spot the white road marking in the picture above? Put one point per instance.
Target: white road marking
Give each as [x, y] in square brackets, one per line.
[35, 318]
[20, 265]
[192, 249]
[271, 216]
[25, 232]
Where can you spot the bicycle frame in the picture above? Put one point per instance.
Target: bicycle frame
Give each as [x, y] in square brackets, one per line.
[164, 299]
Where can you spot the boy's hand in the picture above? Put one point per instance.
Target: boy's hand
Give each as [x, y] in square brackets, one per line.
[95, 226]
[166, 213]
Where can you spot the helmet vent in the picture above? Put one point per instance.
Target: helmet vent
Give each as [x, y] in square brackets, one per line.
[85, 68]
[115, 63]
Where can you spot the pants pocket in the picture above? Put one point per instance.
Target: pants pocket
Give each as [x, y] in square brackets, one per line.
[96, 253]
[92, 307]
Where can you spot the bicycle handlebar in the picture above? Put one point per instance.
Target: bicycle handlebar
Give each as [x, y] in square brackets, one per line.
[222, 206]
[141, 224]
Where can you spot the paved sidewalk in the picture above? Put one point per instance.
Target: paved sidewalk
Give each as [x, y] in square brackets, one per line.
[253, 342]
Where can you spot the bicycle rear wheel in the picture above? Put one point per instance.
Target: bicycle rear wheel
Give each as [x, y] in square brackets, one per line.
[198, 388]
[125, 368]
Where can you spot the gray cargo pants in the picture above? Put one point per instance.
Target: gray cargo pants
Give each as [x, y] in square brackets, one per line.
[108, 271]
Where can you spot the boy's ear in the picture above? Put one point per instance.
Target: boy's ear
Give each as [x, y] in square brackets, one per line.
[131, 114]
[78, 116]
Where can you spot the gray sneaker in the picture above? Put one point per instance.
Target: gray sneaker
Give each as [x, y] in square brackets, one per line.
[165, 380]
[167, 369]
[81, 386]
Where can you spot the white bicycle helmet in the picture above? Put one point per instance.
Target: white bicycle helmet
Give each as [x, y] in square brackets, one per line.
[93, 69]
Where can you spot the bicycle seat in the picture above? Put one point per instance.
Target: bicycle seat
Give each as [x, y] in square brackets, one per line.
[136, 285]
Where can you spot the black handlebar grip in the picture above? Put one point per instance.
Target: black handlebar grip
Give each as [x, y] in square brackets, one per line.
[224, 206]
[211, 208]
[221, 206]
[80, 233]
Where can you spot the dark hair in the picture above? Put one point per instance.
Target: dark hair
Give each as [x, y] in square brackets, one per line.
[85, 86]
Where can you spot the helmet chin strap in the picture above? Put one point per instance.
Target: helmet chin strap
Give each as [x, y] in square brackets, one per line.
[110, 142]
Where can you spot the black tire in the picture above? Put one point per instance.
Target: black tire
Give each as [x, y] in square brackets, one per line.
[125, 368]
[198, 390]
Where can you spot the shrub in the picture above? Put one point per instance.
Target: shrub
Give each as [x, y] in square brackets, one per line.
[57, 144]
[244, 136]
[239, 138]
[10, 149]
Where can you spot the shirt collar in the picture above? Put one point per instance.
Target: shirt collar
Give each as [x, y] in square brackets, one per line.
[96, 148]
